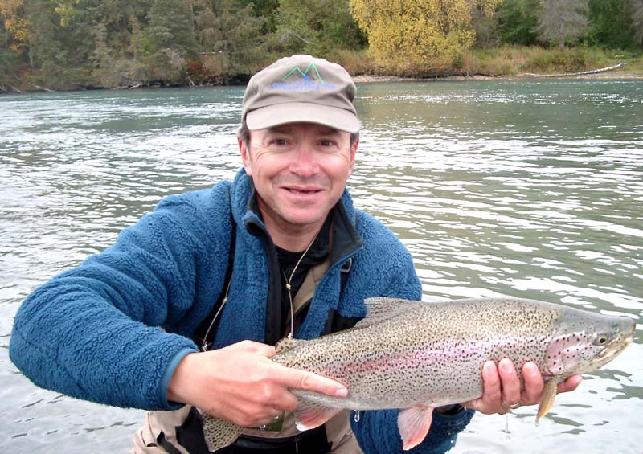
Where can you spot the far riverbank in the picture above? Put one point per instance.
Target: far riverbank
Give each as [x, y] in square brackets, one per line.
[364, 78]
[510, 62]
[506, 62]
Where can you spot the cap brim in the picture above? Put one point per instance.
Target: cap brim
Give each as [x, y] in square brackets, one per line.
[279, 114]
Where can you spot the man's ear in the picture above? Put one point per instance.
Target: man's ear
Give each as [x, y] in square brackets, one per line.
[244, 149]
[353, 151]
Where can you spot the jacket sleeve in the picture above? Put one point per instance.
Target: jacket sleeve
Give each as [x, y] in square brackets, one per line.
[94, 332]
[377, 431]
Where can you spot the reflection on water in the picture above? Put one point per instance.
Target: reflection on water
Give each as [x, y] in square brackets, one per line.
[530, 189]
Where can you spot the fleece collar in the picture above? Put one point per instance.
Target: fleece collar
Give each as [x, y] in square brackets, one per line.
[245, 314]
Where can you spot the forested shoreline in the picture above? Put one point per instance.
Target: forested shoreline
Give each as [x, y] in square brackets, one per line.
[85, 44]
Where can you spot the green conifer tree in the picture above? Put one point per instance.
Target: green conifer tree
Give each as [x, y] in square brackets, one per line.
[232, 39]
[517, 21]
[168, 40]
[317, 27]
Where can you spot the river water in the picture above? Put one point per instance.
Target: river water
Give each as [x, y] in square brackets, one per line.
[525, 188]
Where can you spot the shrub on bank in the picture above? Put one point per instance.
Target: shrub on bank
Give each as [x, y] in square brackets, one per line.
[495, 62]
[510, 60]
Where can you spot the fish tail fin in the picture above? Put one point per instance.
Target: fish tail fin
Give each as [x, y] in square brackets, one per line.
[218, 432]
[309, 415]
[414, 423]
[547, 401]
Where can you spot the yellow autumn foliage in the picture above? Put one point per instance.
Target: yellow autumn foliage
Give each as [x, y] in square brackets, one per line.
[418, 33]
[11, 13]
[66, 9]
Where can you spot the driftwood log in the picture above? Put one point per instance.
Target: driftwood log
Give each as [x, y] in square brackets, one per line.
[581, 73]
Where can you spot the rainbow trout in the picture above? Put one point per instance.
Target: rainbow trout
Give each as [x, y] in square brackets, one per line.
[416, 355]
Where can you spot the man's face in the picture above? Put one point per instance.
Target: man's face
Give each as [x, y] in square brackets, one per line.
[299, 171]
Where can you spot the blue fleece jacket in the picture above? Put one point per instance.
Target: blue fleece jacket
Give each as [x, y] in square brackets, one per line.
[114, 329]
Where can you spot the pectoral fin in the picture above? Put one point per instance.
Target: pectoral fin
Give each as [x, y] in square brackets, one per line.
[549, 395]
[308, 416]
[414, 423]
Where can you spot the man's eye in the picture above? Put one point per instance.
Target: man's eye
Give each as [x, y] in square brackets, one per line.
[328, 142]
[280, 141]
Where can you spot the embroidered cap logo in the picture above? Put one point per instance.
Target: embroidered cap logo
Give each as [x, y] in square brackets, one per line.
[308, 80]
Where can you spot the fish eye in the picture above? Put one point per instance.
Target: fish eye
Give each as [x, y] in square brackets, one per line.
[601, 339]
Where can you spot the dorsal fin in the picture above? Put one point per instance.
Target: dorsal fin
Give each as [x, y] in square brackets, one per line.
[380, 309]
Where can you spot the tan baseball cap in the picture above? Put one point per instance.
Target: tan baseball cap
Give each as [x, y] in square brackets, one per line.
[301, 88]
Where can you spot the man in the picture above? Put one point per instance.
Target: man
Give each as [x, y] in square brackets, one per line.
[228, 271]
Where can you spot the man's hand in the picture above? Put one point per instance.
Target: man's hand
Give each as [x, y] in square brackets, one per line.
[241, 384]
[502, 389]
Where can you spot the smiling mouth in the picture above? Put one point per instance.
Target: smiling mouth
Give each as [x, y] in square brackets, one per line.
[302, 191]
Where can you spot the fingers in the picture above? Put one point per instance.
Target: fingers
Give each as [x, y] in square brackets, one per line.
[242, 384]
[281, 400]
[491, 391]
[570, 384]
[288, 402]
[253, 347]
[502, 387]
[534, 384]
[291, 378]
[308, 381]
[510, 383]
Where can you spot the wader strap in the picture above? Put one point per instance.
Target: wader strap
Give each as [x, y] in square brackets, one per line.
[163, 443]
[307, 289]
[190, 433]
[311, 281]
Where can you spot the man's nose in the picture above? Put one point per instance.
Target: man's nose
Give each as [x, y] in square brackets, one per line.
[304, 161]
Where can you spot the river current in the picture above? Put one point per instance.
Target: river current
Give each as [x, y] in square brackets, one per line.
[531, 189]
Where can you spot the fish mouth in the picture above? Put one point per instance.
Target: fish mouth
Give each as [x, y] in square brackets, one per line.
[615, 347]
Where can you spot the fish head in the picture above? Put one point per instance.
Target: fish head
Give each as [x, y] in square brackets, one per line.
[583, 342]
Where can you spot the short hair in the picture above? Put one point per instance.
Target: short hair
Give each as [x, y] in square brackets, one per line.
[243, 133]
